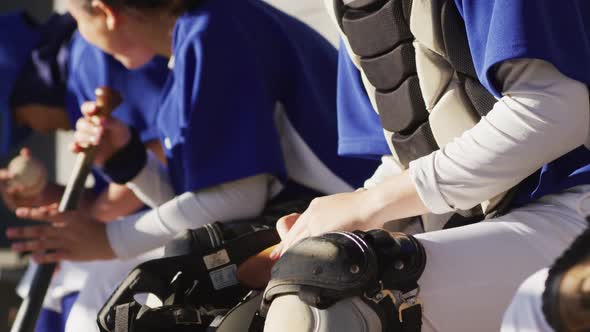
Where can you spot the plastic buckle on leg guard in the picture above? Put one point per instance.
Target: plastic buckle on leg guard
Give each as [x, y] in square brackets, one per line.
[408, 305]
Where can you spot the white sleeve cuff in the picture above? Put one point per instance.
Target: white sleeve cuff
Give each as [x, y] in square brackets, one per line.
[152, 185]
[423, 174]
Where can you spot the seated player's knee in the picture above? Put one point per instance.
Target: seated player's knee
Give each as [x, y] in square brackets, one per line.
[290, 314]
[346, 282]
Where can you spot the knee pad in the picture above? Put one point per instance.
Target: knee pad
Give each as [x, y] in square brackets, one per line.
[378, 269]
[289, 313]
[196, 282]
[566, 299]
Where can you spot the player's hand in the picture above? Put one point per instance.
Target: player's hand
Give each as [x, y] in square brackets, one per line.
[72, 236]
[42, 118]
[340, 212]
[13, 195]
[106, 133]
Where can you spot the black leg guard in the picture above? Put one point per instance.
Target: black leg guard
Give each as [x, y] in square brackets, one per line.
[379, 267]
[196, 283]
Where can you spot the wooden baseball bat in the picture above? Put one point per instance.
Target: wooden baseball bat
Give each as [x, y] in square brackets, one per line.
[255, 271]
[26, 320]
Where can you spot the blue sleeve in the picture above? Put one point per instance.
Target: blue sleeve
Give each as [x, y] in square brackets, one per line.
[359, 127]
[91, 68]
[87, 71]
[555, 31]
[218, 115]
[141, 89]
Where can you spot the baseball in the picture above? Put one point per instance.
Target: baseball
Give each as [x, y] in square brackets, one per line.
[27, 173]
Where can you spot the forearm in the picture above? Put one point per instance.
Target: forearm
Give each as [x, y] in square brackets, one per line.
[392, 199]
[119, 200]
[542, 116]
[114, 202]
[389, 167]
[234, 200]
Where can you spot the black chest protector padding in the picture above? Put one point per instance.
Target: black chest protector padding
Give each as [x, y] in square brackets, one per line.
[458, 54]
[380, 34]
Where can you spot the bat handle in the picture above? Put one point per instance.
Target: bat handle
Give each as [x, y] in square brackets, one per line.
[107, 100]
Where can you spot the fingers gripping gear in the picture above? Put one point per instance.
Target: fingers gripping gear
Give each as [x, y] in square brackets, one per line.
[379, 267]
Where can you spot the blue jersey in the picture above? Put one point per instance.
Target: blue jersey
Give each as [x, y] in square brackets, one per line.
[18, 38]
[234, 61]
[359, 126]
[499, 30]
[37, 57]
[90, 68]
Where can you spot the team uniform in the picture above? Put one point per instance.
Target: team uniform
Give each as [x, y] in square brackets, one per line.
[534, 58]
[90, 68]
[15, 50]
[281, 68]
[554, 298]
[242, 118]
[33, 66]
[63, 71]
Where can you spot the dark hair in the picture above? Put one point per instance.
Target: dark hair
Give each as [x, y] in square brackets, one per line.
[175, 6]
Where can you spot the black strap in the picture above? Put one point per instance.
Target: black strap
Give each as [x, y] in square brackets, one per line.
[394, 318]
[126, 163]
[412, 318]
[257, 324]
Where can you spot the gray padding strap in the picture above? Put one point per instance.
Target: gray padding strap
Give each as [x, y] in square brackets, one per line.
[458, 54]
[406, 107]
[483, 101]
[380, 34]
[419, 144]
[389, 70]
[374, 32]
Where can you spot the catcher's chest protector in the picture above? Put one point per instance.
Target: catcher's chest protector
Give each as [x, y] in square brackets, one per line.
[417, 69]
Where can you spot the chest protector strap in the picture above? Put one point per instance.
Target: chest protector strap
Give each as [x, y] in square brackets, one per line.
[415, 56]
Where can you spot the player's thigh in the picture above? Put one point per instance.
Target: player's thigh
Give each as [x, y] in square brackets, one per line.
[525, 311]
[472, 272]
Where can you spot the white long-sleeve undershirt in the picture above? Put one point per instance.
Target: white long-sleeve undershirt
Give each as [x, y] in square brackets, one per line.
[542, 115]
[139, 233]
[152, 185]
